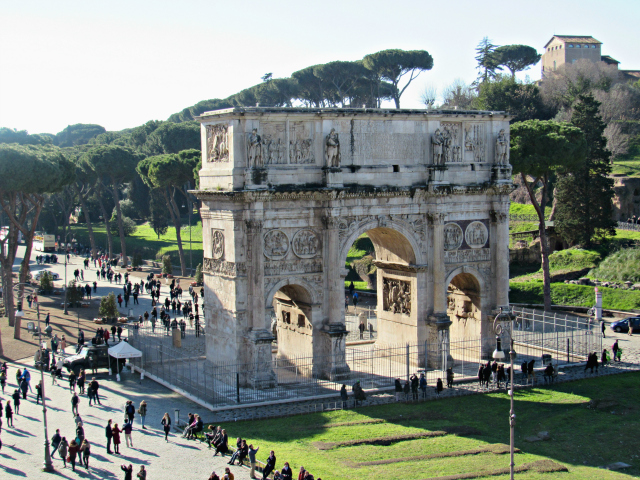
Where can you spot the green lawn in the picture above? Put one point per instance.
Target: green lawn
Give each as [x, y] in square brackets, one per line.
[582, 438]
[627, 168]
[146, 242]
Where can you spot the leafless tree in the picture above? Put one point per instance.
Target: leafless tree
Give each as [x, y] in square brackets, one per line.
[429, 96]
[459, 94]
[617, 141]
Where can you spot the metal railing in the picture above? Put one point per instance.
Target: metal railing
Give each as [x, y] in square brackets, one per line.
[566, 338]
[629, 226]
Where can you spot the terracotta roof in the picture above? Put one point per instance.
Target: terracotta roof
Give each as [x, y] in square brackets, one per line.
[574, 39]
[631, 74]
[608, 59]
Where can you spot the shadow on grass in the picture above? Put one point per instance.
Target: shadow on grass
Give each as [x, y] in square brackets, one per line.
[579, 430]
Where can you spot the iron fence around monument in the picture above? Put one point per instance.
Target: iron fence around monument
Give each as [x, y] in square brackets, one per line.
[375, 366]
[629, 226]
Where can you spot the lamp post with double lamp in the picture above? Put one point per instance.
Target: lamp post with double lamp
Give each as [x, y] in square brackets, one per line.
[47, 466]
[498, 354]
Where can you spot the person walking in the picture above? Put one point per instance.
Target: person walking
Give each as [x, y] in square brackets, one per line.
[142, 410]
[614, 349]
[8, 413]
[3, 380]
[127, 429]
[75, 400]
[130, 411]
[603, 328]
[80, 382]
[95, 386]
[55, 442]
[252, 460]
[63, 450]
[85, 449]
[108, 433]
[16, 401]
[47, 319]
[72, 381]
[73, 451]
[63, 344]
[116, 439]
[166, 424]
[38, 392]
[79, 432]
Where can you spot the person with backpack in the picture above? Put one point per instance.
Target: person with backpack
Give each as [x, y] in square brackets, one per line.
[129, 411]
[63, 449]
[142, 410]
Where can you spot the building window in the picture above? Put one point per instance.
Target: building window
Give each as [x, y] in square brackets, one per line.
[301, 321]
[570, 45]
[593, 46]
[578, 46]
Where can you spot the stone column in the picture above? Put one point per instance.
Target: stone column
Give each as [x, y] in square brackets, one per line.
[334, 329]
[439, 317]
[259, 332]
[501, 257]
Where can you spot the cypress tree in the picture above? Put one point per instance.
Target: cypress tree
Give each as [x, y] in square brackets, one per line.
[584, 197]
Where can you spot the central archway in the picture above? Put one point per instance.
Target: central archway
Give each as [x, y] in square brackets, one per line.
[396, 285]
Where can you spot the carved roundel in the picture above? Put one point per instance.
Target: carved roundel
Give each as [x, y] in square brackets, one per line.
[276, 244]
[217, 244]
[476, 235]
[306, 244]
[452, 236]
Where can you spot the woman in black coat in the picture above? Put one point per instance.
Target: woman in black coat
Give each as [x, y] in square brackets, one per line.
[223, 445]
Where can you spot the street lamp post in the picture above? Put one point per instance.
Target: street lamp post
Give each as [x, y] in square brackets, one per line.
[498, 354]
[47, 465]
[66, 312]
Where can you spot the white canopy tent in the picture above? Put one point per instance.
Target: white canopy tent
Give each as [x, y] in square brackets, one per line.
[123, 350]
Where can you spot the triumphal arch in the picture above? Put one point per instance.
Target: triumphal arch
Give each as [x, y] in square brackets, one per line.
[286, 192]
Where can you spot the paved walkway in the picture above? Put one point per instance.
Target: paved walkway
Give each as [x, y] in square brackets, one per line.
[22, 453]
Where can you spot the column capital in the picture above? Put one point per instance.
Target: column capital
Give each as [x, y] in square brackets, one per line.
[436, 218]
[331, 223]
[253, 226]
[498, 216]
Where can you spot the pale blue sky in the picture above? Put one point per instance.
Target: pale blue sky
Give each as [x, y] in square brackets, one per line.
[121, 63]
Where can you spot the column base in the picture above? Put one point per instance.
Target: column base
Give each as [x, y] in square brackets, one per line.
[336, 369]
[261, 375]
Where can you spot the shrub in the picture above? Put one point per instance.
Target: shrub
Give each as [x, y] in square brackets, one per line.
[108, 308]
[574, 259]
[73, 293]
[137, 259]
[128, 225]
[46, 282]
[199, 276]
[166, 265]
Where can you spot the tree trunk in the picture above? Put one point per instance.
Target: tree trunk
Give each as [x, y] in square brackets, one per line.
[123, 242]
[175, 218]
[544, 244]
[92, 238]
[106, 223]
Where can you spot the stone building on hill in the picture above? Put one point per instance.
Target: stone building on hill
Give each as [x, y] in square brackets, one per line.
[563, 49]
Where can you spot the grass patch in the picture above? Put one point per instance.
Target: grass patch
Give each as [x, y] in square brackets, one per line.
[146, 242]
[621, 266]
[576, 295]
[627, 168]
[526, 209]
[499, 449]
[578, 434]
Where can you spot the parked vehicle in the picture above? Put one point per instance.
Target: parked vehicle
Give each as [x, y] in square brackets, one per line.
[93, 356]
[622, 326]
[54, 275]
